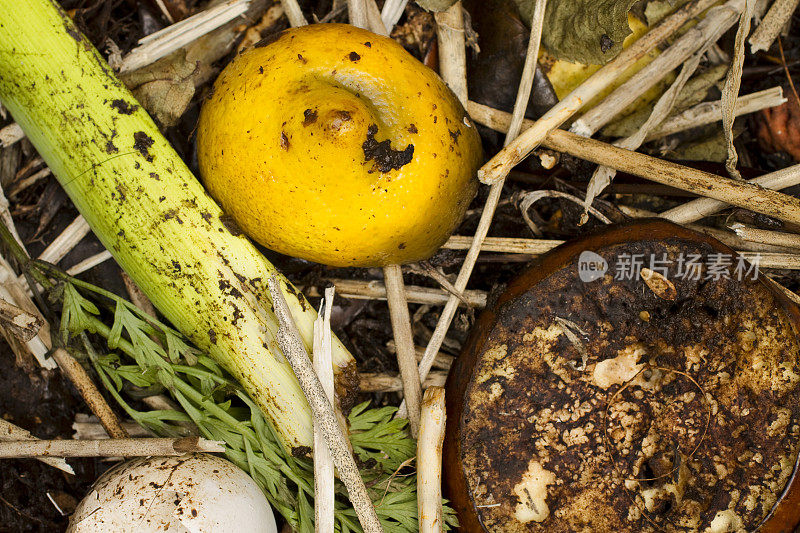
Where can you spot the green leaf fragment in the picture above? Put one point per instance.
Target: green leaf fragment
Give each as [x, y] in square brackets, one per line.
[582, 31]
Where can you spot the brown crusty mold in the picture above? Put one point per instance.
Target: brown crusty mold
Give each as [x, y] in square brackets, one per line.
[661, 404]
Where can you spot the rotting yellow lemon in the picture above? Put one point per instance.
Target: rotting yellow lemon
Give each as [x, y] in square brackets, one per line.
[333, 144]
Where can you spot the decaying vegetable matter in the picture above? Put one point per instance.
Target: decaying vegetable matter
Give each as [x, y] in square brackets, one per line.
[641, 378]
[150, 212]
[371, 155]
[599, 396]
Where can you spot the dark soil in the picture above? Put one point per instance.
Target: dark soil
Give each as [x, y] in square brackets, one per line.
[45, 405]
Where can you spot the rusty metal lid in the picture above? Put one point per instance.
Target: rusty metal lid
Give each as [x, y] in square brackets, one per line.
[641, 379]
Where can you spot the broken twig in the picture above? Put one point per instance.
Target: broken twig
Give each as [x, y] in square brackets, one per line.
[292, 346]
[108, 447]
[404, 343]
[323, 463]
[429, 461]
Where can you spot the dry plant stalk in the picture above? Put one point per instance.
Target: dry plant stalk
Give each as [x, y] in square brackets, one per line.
[34, 178]
[294, 13]
[504, 244]
[357, 13]
[89, 263]
[137, 297]
[429, 461]
[452, 50]
[23, 324]
[87, 427]
[771, 25]
[521, 103]
[11, 134]
[733, 82]
[7, 219]
[375, 382]
[528, 72]
[374, 19]
[10, 432]
[777, 238]
[404, 343]
[703, 207]
[66, 241]
[108, 447]
[323, 462]
[709, 112]
[293, 349]
[164, 42]
[391, 12]
[376, 290]
[602, 176]
[500, 165]
[710, 29]
[90, 393]
[738, 193]
[15, 291]
[780, 260]
[443, 361]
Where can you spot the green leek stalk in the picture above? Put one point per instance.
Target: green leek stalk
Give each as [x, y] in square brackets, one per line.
[150, 212]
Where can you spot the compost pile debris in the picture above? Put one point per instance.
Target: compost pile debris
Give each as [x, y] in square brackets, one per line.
[33, 495]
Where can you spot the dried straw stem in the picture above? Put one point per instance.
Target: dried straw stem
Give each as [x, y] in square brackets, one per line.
[374, 19]
[377, 382]
[10, 432]
[532, 247]
[292, 346]
[89, 263]
[772, 24]
[90, 393]
[392, 11]
[711, 28]
[733, 82]
[452, 51]
[66, 241]
[164, 42]
[777, 238]
[528, 72]
[24, 325]
[703, 207]
[709, 112]
[742, 194]
[11, 134]
[521, 103]
[88, 427]
[375, 290]
[108, 447]
[357, 13]
[504, 244]
[294, 13]
[499, 166]
[429, 461]
[15, 291]
[404, 343]
[323, 462]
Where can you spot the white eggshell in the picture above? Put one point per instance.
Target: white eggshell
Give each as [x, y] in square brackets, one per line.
[195, 493]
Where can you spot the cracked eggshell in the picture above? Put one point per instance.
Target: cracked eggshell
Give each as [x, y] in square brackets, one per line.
[194, 493]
